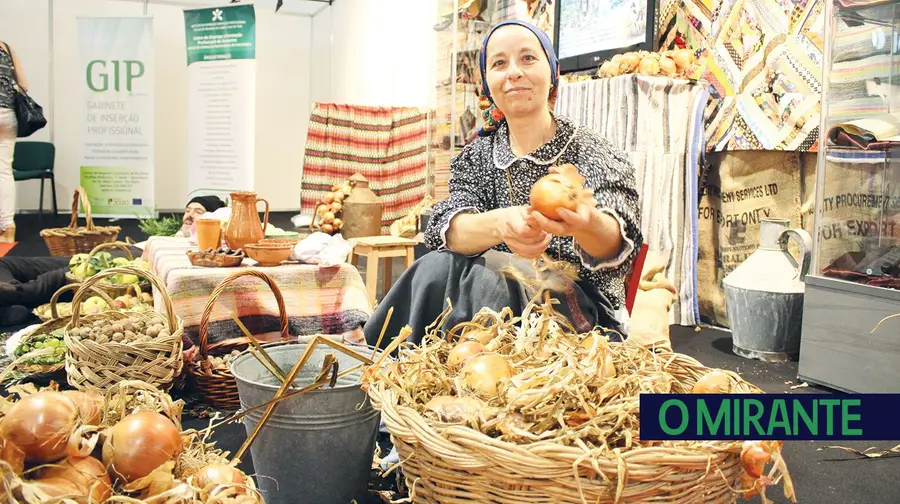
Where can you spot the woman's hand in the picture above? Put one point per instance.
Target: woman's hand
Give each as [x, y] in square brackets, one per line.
[522, 234]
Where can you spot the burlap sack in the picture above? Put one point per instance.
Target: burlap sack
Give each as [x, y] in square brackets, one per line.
[860, 205]
[742, 188]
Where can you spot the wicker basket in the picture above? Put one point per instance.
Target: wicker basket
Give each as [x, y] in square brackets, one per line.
[454, 464]
[218, 386]
[54, 322]
[68, 241]
[114, 290]
[157, 362]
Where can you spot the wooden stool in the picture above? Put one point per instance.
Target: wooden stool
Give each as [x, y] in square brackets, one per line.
[381, 247]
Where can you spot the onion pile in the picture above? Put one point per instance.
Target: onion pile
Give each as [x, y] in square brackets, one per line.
[328, 209]
[51, 437]
[675, 63]
[535, 379]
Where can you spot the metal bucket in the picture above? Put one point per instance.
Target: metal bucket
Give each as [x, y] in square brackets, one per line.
[764, 325]
[318, 446]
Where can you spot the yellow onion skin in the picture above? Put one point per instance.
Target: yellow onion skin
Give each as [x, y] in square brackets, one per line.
[40, 425]
[87, 474]
[140, 443]
[90, 405]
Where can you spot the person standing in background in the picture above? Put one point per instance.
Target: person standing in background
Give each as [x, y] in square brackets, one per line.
[10, 75]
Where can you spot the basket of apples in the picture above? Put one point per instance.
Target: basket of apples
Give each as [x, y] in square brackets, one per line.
[84, 266]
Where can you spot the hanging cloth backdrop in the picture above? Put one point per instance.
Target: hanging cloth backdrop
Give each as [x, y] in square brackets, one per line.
[658, 122]
[387, 145]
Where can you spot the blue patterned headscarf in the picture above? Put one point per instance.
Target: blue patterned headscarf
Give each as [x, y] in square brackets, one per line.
[493, 117]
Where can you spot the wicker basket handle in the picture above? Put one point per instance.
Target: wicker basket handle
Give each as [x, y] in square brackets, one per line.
[207, 312]
[125, 270]
[73, 286]
[112, 245]
[80, 194]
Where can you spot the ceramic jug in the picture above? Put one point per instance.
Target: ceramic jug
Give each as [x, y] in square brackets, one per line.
[244, 226]
[764, 295]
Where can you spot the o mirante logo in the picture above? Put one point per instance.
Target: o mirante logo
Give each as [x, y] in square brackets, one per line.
[700, 417]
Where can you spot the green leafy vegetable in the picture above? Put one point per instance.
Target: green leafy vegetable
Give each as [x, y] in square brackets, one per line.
[53, 339]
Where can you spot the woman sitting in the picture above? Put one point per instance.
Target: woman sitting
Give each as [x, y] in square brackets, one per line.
[487, 225]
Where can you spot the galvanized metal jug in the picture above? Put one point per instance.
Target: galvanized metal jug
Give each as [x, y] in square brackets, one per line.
[764, 295]
[362, 210]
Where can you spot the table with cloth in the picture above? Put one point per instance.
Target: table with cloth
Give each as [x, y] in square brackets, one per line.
[318, 300]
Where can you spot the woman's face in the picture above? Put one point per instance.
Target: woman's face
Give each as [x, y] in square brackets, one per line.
[518, 72]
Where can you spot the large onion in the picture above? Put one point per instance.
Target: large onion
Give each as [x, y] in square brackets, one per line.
[667, 66]
[140, 443]
[483, 336]
[87, 474]
[714, 382]
[649, 66]
[462, 352]
[40, 425]
[483, 373]
[552, 192]
[211, 476]
[628, 62]
[683, 58]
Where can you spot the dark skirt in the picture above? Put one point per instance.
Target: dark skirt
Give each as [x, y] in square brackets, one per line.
[472, 283]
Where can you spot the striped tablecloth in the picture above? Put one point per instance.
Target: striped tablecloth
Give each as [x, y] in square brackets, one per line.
[319, 300]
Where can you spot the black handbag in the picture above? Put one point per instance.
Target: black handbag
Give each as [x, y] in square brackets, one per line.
[29, 114]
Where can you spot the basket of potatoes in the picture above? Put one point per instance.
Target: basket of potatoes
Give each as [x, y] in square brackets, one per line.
[113, 346]
[211, 369]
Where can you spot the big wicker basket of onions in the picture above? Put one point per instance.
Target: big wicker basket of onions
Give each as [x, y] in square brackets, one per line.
[211, 369]
[124, 446]
[505, 409]
[115, 346]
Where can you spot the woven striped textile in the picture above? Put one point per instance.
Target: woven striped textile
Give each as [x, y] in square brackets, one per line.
[387, 145]
[763, 61]
[658, 123]
[328, 301]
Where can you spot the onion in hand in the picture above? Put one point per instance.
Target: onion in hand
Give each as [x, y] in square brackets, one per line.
[552, 192]
[140, 443]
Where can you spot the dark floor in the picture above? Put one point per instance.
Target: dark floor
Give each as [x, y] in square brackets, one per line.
[821, 477]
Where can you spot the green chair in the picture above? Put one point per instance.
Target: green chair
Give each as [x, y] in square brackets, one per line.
[35, 160]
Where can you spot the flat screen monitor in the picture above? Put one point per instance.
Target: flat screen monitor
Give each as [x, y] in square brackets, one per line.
[589, 32]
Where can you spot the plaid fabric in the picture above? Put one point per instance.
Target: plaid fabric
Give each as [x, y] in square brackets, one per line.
[318, 300]
[387, 145]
